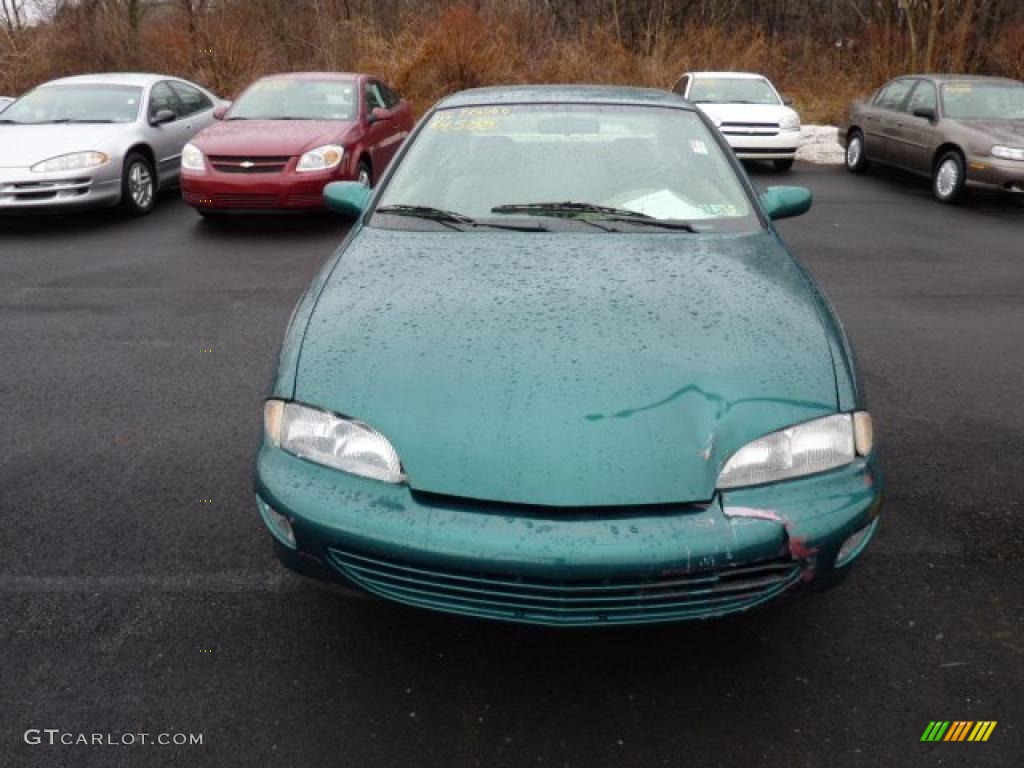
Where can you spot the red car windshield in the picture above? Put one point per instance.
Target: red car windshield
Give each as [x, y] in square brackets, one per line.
[281, 99]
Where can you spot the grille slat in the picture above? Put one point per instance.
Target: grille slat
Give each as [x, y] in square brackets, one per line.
[634, 599]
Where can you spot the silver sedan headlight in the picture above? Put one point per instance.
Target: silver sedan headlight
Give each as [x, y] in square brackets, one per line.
[332, 440]
[1008, 153]
[321, 158]
[76, 161]
[808, 448]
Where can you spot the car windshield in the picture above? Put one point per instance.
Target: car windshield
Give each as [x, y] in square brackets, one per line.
[983, 101]
[639, 167]
[732, 90]
[84, 103]
[282, 99]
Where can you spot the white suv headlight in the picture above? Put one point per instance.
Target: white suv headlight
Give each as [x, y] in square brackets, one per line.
[76, 161]
[790, 123]
[1008, 153]
[332, 440]
[808, 448]
[192, 158]
[321, 158]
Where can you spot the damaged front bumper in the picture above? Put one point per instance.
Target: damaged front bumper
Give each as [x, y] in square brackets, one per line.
[569, 567]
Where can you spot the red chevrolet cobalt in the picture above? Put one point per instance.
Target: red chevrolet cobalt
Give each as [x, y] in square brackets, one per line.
[289, 135]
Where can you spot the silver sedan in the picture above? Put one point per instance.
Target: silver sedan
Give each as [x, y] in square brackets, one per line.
[98, 140]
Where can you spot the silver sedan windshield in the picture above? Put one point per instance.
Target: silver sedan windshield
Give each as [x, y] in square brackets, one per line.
[80, 103]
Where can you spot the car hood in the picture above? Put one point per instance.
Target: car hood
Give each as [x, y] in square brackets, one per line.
[22, 146]
[569, 370]
[1009, 132]
[270, 137]
[746, 113]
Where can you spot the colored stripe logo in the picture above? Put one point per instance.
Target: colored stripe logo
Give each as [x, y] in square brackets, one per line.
[958, 730]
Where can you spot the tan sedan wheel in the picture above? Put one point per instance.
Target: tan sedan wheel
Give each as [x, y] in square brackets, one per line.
[949, 178]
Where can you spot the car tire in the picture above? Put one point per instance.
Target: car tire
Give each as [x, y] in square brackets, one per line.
[138, 185]
[949, 178]
[364, 173]
[783, 165]
[856, 157]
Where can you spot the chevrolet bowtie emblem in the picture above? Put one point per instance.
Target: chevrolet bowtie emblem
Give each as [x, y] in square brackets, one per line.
[247, 163]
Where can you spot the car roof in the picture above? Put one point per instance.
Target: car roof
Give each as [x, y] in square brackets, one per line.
[736, 75]
[948, 78]
[563, 94]
[114, 78]
[314, 76]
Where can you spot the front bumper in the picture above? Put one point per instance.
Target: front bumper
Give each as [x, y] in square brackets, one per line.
[23, 190]
[985, 172]
[780, 146]
[567, 567]
[287, 190]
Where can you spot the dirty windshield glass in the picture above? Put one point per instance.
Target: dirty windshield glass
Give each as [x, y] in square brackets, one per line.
[983, 101]
[512, 162]
[76, 104]
[280, 99]
[732, 90]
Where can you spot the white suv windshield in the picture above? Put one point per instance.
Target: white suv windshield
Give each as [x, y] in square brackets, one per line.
[492, 162]
[732, 90]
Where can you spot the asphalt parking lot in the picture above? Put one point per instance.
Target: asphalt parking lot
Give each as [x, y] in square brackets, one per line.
[139, 593]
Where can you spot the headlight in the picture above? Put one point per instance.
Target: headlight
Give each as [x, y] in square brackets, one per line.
[192, 158]
[1008, 153]
[76, 161]
[332, 440]
[790, 123]
[815, 446]
[321, 158]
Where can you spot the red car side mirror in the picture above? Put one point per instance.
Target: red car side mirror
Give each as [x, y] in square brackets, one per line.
[219, 112]
[379, 113]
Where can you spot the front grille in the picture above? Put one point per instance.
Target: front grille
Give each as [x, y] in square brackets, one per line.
[34, 191]
[244, 200]
[246, 164]
[750, 129]
[639, 599]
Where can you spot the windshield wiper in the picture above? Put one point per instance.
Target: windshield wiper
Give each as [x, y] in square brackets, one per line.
[578, 211]
[450, 219]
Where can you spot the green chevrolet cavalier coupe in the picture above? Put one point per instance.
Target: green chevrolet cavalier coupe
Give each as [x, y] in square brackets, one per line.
[564, 371]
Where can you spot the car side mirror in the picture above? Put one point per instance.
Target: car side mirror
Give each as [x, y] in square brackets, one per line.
[220, 112]
[926, 112]
[786, 202]
[379, 113]
[787, 101]
[162, 117]
[347, 197]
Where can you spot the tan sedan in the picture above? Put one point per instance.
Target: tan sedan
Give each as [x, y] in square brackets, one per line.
[961, 131]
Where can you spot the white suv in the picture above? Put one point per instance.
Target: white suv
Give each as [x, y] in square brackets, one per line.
[756, 121]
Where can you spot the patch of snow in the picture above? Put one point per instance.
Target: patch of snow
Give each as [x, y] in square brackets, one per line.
[820, 144]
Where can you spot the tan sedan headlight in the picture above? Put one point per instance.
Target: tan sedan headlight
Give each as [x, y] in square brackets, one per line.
[1008, 153]
[76, 161]
[805, 449]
